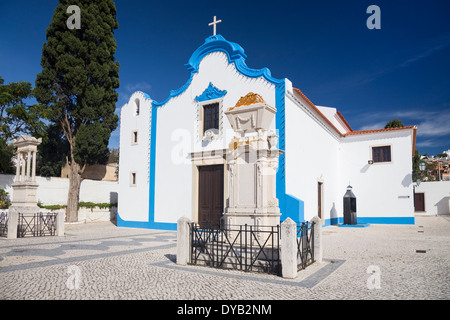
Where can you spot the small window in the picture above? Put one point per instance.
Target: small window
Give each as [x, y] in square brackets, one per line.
[137, 106]
[133, 179]
[381, 154]
[134, 137]
[211, 116]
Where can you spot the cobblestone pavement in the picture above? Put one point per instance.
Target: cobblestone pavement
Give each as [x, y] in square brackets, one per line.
[101, 261]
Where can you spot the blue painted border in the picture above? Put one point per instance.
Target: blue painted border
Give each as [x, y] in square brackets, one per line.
[373, 220]
[211, 93]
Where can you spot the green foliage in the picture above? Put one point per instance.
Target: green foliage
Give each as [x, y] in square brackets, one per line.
[5, 202]
[79, 77]
[396, 123]
[52, 152]
[415, 164]
[89, 205]
[16, 116]
[92, 205]
[6, 154]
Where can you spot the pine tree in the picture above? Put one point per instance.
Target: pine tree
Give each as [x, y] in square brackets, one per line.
[396, 123]
[77, 84]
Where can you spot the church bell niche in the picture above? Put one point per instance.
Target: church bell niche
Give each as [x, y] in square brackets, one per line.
[252, 161]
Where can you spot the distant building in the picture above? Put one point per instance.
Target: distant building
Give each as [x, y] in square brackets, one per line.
[104, 172]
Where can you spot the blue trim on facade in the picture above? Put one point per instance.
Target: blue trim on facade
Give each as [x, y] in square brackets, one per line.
[359, 225]
[211, 93]
[373, 220]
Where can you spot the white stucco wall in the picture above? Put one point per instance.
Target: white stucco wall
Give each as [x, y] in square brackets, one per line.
[53, 190]
[437, 197]
[177, 132]
[134, 157]
[381, 189]
[311, 157]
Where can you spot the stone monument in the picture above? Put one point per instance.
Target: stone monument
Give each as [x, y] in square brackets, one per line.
[25, 185]
[252, 161]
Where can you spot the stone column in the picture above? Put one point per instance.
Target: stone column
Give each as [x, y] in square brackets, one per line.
[28, 165]
[13, 219]
[289, 249]
[183, 241]
[60, 223]
[17, 166]
[22, 176]
[33, 177]
[318, 249]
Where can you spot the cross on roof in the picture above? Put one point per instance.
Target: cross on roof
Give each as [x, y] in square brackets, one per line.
[214, 25]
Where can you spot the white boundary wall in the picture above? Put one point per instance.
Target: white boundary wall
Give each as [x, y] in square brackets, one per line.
[54, 190]
[437, 197]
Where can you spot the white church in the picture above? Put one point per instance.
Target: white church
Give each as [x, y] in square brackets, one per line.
[173, 153]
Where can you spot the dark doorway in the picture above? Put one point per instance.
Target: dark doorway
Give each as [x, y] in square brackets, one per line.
[319, 199]
[419, 202]
[210, 195]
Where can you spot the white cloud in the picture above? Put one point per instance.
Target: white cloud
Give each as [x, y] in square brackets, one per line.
[430, 123]
[140, 86]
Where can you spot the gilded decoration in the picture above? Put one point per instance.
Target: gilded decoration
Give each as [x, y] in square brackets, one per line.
[250, 98]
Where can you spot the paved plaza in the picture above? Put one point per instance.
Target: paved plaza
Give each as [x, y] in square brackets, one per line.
[102, 261]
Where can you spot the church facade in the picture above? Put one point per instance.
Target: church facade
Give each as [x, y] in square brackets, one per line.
[173, 153]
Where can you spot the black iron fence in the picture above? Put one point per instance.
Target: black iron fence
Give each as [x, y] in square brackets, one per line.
[3, 224]
[36, 225]
[305, 244]
[246, 248]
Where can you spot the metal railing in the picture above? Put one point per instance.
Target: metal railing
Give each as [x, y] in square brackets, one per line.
[245, 248]
[36, 225]
[305, 244]
[3, 224]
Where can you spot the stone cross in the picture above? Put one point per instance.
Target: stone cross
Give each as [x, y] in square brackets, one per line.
[214, 25]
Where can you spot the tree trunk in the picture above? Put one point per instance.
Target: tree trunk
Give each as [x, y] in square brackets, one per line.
[74, 191]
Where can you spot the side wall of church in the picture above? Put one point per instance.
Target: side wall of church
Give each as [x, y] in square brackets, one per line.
[384, 191]
[311, 158]
[135, 122]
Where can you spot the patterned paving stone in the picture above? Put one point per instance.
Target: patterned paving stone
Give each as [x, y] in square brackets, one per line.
[101, 261]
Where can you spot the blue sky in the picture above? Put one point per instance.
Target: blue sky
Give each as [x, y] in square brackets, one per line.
[324, 47]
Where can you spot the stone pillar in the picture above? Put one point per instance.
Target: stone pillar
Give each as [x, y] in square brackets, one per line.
[33, 177]
[318, 249]
[183, 241]
[289, 249]
[13, 219]
[22, 166]
[17, 166]
[60, 217]
[28, 165]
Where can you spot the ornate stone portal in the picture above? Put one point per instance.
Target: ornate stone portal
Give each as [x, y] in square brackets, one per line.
[25, 185]
[252, 161]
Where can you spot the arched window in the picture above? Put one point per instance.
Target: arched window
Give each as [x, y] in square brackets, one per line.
[137, 106]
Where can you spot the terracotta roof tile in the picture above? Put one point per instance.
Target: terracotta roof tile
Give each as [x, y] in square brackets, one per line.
[377, 130]
[351, 132]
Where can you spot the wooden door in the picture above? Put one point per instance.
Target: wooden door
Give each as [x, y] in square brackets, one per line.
[210, 195]
[319, 199]
[419, 202]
